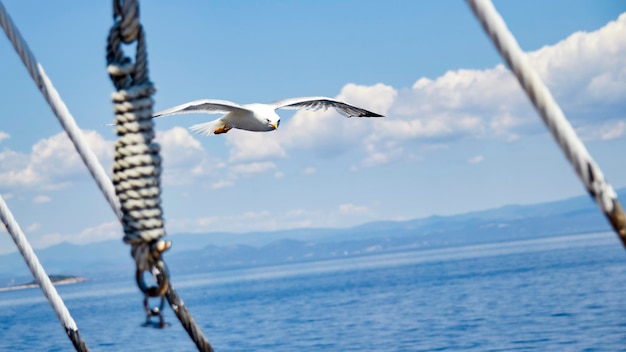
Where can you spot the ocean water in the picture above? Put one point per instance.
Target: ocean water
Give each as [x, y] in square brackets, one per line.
[559, 294]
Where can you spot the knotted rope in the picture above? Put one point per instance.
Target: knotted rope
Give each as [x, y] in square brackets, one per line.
[137, 167]
[552, 115]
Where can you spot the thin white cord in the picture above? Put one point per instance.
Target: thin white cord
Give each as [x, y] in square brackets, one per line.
[549, 110]
[60, 110]
[35, 267]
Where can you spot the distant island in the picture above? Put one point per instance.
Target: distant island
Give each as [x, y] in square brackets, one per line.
[56, 280]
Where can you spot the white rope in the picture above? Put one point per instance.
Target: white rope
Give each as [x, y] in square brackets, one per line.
[552, 115]
[38, 271]
[60, 110]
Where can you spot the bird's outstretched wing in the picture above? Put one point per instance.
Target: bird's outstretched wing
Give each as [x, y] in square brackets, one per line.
[316, 103]
[206, 106]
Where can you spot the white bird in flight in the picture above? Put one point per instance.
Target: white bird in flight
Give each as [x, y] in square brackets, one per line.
[256, 117]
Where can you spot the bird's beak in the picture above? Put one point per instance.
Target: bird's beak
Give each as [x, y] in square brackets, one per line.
[275, 125]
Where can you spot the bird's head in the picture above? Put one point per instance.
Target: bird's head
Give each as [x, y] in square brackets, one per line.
[273, 123]
[266, 115]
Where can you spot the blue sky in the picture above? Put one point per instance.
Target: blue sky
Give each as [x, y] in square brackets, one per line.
[458, 135]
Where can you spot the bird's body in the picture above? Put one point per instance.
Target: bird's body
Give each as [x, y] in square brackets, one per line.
[256, 117]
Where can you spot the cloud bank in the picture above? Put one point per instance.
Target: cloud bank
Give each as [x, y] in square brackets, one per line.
[585, 72]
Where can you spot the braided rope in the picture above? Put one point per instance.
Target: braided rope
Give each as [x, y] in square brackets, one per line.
[40, 276]
[552, 115]
[60, 110]
[137, 167]
[186, 320]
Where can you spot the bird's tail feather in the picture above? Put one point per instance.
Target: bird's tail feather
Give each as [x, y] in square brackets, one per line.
[208, 128]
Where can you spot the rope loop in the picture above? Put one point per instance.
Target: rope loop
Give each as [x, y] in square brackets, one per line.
[137, 164]
[148, 259]
[137, 167]
[126, 12]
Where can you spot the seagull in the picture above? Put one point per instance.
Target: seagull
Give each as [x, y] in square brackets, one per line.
[256, 117]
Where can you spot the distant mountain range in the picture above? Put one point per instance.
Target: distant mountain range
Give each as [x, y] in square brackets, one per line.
[214, 251]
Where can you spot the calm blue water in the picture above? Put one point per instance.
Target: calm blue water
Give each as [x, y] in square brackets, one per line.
[564, 294]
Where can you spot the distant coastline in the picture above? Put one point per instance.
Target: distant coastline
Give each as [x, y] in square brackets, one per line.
[56, 280]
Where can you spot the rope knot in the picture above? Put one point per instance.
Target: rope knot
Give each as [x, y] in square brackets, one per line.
[127, 13]
[137, 164]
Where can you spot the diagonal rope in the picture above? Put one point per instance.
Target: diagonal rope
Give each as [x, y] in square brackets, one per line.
[134, 218]
[60, 110]
[40, 276]
[137, 167]
[552, 115]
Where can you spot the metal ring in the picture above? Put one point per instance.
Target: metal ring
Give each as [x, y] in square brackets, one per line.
[162, 276]
[155, 311]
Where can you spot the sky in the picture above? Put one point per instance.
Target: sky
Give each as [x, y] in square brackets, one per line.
[458, 134]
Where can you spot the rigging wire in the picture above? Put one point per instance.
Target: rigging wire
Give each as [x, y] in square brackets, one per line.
[586, 168]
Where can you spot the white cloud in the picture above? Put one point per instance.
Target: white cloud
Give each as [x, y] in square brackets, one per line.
[247, 221]
[605, 131]
[476, 159]
[616, 131]
[237, 171]
[178, 146]
[105, 231]
[52, 162]
[327, 133]
[15, 170]
[41, 199]
[428, 128]
[503, 125]
[222, 184]
[352, 209]
[262, 220]
[3, 136]
[256, 214]
[587, 67]
[253, 168]
[247, 146]
[309, 171]
[33, 227]
[184, 158]
[584, 71]
[296, 212]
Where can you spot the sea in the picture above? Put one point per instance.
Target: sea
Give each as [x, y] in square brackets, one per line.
[552, 294]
